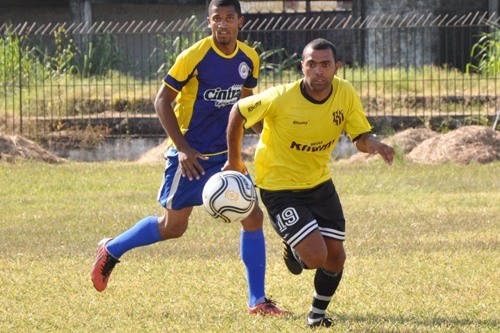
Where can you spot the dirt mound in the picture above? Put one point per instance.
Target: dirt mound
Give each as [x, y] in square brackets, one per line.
[13, 148]
[464, 145]
[408, 139]
[404, 142]
[154, 155]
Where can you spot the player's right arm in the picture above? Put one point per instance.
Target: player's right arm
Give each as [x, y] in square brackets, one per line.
[235, 131]
[188, 157]
[257, 128]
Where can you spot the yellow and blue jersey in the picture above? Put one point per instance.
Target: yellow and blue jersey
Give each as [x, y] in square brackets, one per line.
[209, 82]
[299, 133]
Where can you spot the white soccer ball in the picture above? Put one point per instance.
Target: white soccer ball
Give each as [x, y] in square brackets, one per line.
[229, 196]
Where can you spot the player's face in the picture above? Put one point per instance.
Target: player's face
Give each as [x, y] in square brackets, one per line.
[225, 24]
[319, 68]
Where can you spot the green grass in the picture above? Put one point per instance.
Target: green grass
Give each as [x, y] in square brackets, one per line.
[422, 244]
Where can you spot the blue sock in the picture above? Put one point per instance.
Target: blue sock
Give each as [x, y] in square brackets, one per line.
[145, 232]
[253, 254]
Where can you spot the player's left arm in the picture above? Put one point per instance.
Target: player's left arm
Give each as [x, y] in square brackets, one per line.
[368, 143]
[365, 142]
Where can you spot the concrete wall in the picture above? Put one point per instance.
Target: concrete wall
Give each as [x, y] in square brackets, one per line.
[369, 7]
[405, 46]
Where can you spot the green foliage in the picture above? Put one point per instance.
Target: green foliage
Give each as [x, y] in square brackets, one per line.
[102, 55]
[19, 62]
[89, 55]
[276, 62]
[486, 53]
[64, 57]
[171, 45]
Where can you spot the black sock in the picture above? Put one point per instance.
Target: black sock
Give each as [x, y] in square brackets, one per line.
[325, 285]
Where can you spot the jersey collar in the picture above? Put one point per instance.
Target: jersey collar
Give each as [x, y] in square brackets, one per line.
[219, 52]
[309, 98]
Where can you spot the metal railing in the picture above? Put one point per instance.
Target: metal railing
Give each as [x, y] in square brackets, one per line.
[59, 78]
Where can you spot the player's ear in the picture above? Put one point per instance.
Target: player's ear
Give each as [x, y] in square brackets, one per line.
[337, 66]
[241, 19]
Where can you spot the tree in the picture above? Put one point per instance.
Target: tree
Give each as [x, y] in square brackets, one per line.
[81, 11]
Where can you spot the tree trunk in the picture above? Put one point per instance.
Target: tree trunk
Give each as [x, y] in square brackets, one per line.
[81, 11]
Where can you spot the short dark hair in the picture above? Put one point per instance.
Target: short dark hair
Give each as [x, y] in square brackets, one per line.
[225, 3]
[321, 44]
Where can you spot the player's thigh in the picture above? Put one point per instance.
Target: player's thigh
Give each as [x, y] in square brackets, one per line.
[289, 217]
[312, 250]
[177, 192]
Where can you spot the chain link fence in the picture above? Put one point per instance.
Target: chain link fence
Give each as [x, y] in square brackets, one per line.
[64, 80]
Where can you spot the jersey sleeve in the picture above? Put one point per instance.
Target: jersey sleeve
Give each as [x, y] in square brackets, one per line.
[356, 123]
[185, 65]
[256, 107]
[253, 76]
[180, 73]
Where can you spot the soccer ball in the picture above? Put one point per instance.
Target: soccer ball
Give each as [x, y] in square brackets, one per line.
[229, 196]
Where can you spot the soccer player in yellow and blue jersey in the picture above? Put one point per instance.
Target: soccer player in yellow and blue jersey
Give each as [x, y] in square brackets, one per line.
[303, 121]
[204, 83]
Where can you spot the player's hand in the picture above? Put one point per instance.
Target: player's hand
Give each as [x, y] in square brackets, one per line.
[387, 152]
[237, 165]
[190, 166]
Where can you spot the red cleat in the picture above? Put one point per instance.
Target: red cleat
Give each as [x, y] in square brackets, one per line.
[267, 308]
[103, 266]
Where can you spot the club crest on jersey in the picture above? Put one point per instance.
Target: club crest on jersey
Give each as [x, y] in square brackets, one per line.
[338, 117]
[243, 69]
[223, 97]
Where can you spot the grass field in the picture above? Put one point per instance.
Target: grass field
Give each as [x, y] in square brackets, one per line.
[423, 254]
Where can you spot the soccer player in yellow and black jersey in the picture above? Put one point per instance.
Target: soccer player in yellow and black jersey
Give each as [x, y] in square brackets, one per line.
[302, 124]
[204, 83]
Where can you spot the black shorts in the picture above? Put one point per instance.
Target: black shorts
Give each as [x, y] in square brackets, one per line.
[295, 214]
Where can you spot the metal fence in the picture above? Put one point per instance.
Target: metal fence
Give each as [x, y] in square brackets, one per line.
[60, 79]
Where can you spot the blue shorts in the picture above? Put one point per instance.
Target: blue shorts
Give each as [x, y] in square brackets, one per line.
[177, 192]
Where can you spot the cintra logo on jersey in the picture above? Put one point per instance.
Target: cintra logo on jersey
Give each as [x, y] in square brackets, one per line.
[223, 97]
[311, 147]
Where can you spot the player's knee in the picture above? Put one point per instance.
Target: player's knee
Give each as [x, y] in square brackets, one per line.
[316, 261]
[337, 259]
[169, 230]
[176, 231]
[254, 221]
